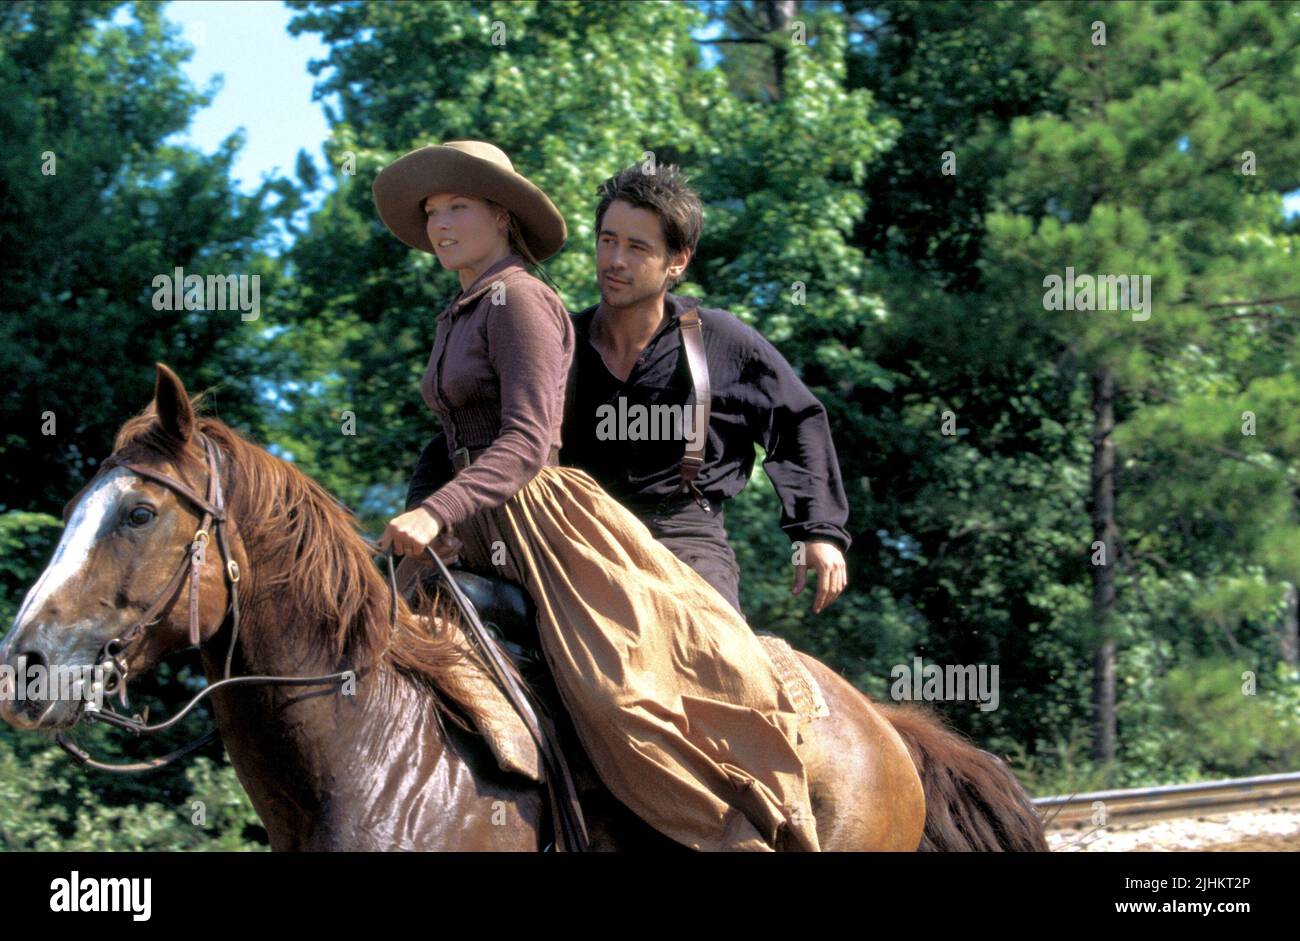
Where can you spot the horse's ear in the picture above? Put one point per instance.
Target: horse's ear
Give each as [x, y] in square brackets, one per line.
[172, 405]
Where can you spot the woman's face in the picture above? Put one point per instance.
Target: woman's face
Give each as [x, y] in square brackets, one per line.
[464, 230]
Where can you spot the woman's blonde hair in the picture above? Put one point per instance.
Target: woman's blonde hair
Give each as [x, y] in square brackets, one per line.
[519, 246]
[515, 235]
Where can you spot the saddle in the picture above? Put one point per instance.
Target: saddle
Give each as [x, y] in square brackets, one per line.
[509, 615]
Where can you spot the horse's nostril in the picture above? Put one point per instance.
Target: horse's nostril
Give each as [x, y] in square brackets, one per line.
[29, 658]
[36, 698]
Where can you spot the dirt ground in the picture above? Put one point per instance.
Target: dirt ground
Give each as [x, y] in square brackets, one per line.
[1274, 829]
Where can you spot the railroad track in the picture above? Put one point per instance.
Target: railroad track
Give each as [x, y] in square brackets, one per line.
[1138, 805]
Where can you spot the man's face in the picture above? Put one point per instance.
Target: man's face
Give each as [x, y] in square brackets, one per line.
[632, 261]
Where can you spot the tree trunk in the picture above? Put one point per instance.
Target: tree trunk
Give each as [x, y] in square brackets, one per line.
[1103, 576]
[779, 14]
[1289, 642]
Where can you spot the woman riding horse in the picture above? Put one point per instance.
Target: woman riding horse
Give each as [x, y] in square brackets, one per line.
[675, 701]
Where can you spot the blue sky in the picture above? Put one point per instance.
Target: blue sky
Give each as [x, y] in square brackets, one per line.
[267, 88]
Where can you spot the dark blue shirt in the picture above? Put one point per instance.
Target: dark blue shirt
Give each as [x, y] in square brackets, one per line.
[757, 399]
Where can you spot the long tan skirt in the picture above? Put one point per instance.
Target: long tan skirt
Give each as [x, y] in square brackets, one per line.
[675, 700]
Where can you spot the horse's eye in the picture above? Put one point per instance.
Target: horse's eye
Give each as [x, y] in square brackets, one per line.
[140, 516]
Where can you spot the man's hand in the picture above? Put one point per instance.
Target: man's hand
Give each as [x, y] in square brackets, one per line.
[827, 561]
[409, 533]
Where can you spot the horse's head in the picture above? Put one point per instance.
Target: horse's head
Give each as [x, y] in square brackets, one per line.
[117, 587]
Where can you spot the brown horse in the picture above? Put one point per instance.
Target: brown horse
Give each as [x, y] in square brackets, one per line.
[392, 765]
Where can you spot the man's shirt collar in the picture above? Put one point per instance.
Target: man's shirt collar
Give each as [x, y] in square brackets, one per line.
[674, 306]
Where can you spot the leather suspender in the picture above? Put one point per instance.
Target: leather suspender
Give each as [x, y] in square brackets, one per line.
[702, 395]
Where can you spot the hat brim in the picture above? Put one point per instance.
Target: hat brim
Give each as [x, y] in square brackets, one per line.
[401, 187]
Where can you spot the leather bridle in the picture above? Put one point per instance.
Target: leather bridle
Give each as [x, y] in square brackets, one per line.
[570, 827]
[115, 651]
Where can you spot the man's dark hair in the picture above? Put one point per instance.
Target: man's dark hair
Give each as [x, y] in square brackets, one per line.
[665, 193]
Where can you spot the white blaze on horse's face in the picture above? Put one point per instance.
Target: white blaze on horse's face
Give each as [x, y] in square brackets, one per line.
[93, 517]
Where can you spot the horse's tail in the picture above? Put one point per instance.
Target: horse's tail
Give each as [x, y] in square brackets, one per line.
[972, 800]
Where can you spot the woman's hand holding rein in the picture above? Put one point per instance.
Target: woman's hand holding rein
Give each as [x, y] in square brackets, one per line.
[411, 532]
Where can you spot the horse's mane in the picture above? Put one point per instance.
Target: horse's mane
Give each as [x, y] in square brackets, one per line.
[299, 533]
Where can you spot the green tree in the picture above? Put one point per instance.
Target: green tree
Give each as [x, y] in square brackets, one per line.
[97, 205]
[1146, 172]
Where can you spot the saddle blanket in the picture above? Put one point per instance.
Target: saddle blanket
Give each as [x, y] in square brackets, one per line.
[799, 684]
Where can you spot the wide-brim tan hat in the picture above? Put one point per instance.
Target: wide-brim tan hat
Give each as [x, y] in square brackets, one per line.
[472, 168]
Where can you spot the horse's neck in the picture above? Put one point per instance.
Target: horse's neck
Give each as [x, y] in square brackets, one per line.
[321, 765]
